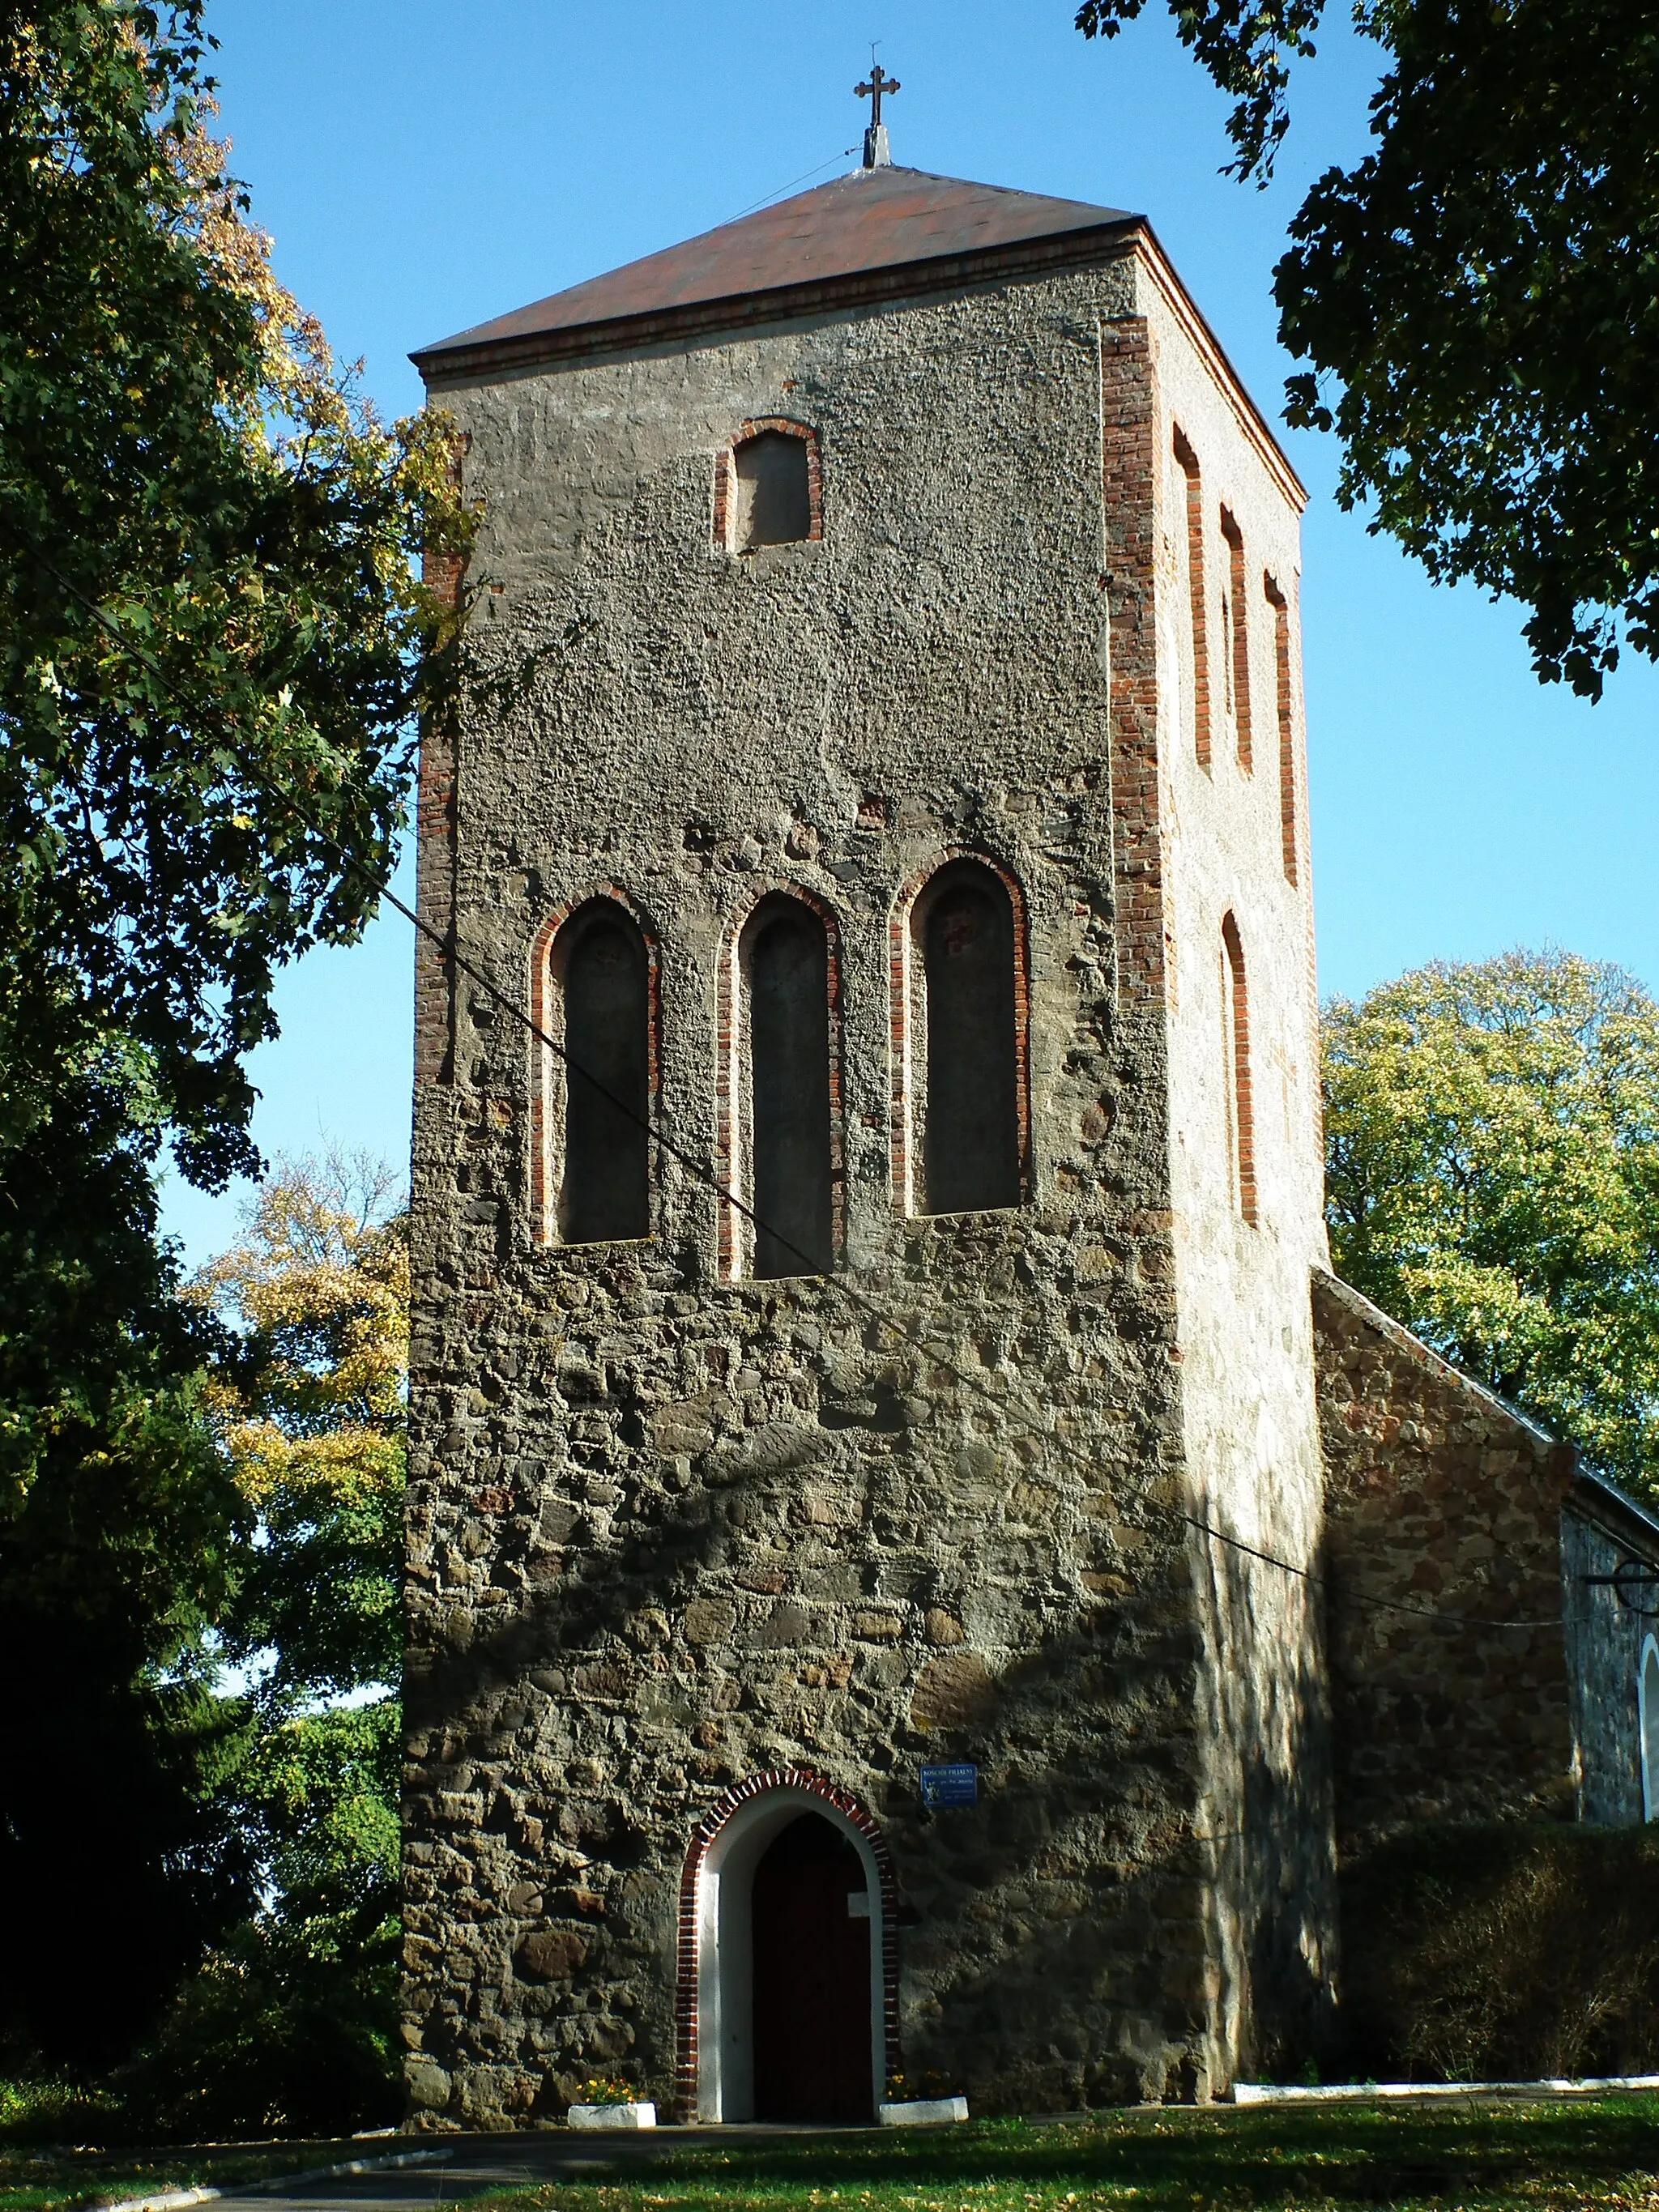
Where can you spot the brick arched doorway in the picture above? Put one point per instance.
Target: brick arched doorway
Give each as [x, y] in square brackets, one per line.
[785, 1843]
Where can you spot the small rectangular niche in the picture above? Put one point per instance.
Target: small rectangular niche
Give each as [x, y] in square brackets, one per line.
[768, 486]
[773, 491]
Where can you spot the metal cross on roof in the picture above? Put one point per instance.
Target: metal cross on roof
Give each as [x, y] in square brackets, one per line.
[871, 90]
[875, 153]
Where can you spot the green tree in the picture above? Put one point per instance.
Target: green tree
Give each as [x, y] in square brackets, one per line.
[213, 643]
[211, 637]
[308, 1401]
[1477, 296]
[116, 1556]
[1493, 1180]
[288, 2022]
[214, 648]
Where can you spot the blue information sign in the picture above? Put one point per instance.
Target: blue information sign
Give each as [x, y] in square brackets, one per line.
[948, 1785]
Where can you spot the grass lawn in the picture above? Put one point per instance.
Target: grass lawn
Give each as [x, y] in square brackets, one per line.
[1532, 2155]
[39, 2179]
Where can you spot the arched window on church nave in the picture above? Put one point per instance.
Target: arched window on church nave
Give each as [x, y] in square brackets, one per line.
[1647, 1706]
[786, 972]
[601, 1084]
[966, 1035]
[768, 487]
[1235, 1067]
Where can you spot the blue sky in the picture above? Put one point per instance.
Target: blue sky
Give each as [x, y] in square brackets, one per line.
[422, 166]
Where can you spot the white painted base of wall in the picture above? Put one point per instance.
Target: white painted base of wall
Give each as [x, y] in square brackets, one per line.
[1338, 2093]
[923, 2112]
[612, 2115]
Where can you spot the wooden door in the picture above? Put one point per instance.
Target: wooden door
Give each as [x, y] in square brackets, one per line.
[811, 1976]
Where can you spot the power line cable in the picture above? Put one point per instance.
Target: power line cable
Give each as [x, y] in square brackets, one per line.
[840, 1285]
[844, 154]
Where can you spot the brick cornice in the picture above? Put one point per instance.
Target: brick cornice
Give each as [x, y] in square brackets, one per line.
[1151, 259]
[1101, 244]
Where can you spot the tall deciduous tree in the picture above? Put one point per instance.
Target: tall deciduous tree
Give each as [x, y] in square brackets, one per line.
[1492, 1178]
[120, 1532]
[213, 643]
[1477, 297]
[288, 2022]
[213, 650]
[308, 1401]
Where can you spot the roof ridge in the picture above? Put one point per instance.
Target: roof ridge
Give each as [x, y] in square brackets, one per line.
[939, 177]
[872, 221]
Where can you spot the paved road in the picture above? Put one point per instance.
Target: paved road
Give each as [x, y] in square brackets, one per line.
[478, 2163]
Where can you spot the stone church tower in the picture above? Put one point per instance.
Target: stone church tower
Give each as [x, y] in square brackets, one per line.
[887, 793]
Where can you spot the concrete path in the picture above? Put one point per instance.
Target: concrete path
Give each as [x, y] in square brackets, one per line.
[481, 2163]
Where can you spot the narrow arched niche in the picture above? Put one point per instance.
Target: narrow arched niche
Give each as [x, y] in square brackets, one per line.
[602, 972]
[966, 940]
[773, 503]
[1236, 1072]
[1647, 1707]
[786, 968]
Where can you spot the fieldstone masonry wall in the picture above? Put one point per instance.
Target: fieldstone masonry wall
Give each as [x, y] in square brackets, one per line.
[666, 1531]
[1443, 1501]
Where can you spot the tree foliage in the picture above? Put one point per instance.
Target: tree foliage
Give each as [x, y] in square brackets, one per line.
[1481, 290]
[287, 2023]
[211, 637]
[1493, 1179]
[286, 2026]
[214, 652]
[199, 1588]
[119, 1531]
[309, 1405]
[91, 1329]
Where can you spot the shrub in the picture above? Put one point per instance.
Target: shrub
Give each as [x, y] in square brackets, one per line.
[40, 2108]
[1503, 1951]
[287, 2029]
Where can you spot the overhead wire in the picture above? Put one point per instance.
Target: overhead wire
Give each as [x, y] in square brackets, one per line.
[839, 1284]
[844, 154]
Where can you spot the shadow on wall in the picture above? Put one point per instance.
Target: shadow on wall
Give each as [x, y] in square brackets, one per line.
[1273, 1897]
[1503, 1951]
[1052, 1937]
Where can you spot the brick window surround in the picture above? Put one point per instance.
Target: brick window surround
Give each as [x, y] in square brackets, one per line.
[725, 473]
[808, 1786]
[732, 1163]
[548, 1080]
[907, 1021]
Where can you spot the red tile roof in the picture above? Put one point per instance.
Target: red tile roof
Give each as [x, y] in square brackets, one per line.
[874, 220]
